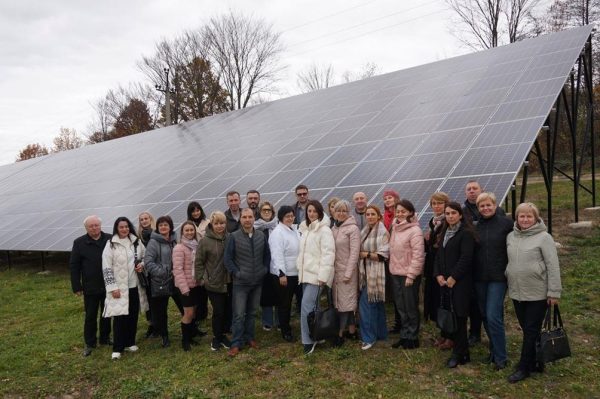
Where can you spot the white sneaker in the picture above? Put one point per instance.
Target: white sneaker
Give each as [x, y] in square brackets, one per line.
[367, 346]
[115, 355]
[132, 348]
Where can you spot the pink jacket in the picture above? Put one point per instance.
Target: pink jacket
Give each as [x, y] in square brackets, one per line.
[347, 248]
[183, 266]
[407, 253]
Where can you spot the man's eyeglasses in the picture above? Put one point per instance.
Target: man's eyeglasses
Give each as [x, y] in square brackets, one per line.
[301, 194]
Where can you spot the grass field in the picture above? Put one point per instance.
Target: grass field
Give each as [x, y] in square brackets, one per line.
[41, 326]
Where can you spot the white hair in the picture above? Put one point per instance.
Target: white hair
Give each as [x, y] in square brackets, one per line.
[88, 218]
[342, 204]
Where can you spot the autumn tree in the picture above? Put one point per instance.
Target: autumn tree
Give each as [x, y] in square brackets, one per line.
[246, 53]
[134, 118]
[32, 151]
[368, 70]
[67, 139]
[315, 77]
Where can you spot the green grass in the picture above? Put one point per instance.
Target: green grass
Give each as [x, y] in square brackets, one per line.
[41, 325]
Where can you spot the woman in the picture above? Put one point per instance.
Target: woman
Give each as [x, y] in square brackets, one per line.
[452, 268]
[431, 293]
[533, 275]
[490, 282]
[183, 273]
[147, 224]
[266, 223]
[407, 254]
[330, 204]
[121, 263]
[345, 281]
[212, 275]
[284, 243]
[315, 264]
[196, 214]
[158, 261]
[374, 250]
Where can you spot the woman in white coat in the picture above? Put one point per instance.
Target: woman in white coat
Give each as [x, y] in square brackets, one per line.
[284, 243]
[125, 297]
[315, 263]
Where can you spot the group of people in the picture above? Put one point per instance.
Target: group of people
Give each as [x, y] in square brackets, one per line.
[248, 258]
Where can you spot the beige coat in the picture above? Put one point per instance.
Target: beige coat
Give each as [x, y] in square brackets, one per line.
[345, 279]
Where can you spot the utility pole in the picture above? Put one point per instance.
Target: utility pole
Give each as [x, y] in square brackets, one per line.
[168, 91]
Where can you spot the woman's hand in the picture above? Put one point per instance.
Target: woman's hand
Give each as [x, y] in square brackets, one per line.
[185, 293]
[451, 282]
[140, 267]
[408, 282]
[374, 256]
[116, 294]
[321, 282]
[346, 280]
[363, 254]
[552, 301]
[283, 281]
[441, 281]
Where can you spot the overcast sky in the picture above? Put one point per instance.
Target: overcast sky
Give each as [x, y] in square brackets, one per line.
[57, 57]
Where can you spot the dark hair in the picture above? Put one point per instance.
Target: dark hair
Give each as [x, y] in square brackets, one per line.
[231, 194]
[252, 192]
[123, 219]
[466, 223]
[186, 223]
[406, 204]
[191, 207]
[300, 187]
[318, 208]
[284, 210]
[165, 219]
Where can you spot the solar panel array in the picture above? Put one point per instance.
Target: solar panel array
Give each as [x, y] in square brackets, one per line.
[417, 130]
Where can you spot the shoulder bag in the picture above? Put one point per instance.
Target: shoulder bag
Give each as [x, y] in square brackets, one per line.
[553, 343]
[446, 318]
[323, 323]
[142, 277]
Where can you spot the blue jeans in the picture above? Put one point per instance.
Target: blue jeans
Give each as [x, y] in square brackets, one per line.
[309, 299]
[372, 319]
[490, 297]
[246, 300]
[269, 317]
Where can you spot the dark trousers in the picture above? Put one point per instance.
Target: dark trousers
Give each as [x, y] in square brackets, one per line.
[407, 303]
[159, 314]
[202, 305]
[221, 308]
[284, 308]
[92, 303]
[475, 318]
[125, 327]
[389, 295]
[177, 299]
[531, 316]
[229, 313]
[461, 341]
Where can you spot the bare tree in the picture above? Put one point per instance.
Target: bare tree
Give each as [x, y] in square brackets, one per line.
[520, 18]
[368, 70]
[315, 77]
[481, 19]
[246, 52]
[67, 139]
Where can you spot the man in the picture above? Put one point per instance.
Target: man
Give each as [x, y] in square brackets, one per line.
[253, 199]
[301, 201]
[360, 206]
[233, 213]
[247, 258]
[87, 280]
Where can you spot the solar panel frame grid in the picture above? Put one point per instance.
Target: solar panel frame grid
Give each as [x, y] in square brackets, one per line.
[418, 130]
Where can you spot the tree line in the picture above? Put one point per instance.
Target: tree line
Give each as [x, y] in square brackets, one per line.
[235, 60]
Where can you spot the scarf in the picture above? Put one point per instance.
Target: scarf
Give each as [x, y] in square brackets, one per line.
[450, 232]
[191, 244]
[372, 272]
[261, 224]
[437, 221]
[388, 218]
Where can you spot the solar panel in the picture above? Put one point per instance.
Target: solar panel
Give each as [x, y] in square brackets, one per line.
[418, 130]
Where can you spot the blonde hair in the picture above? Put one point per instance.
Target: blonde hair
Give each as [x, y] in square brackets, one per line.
[528, 207]
[152, 222]
[484, 197]
[332, 201]
[217, 216]
[342, 204]
[439, 196]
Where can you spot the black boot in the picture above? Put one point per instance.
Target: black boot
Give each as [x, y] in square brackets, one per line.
[400, 343]
[196, 331]
[165, 341]
[185, 337]
[338, 341]
[150, 332]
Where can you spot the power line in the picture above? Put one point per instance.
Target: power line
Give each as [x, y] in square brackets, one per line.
[328, 16]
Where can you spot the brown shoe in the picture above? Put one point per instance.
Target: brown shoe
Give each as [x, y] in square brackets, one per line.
[253, 344]
[233, 351]
[439, 341]
[448, 344]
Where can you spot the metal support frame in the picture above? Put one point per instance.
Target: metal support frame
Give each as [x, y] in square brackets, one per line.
[579, 119]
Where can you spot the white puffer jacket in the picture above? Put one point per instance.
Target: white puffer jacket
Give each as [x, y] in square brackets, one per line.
[117, 264]
[284, 243]
[317, 253]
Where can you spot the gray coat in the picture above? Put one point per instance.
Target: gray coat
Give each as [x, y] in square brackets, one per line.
[533, 272]
[158, 260]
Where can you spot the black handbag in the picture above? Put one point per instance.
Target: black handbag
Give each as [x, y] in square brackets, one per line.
[446, 318]
[142, 277]
[323, 323]
[553, 343]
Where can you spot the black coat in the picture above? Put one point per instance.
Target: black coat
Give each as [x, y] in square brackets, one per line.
[455, 260]
[232, 224]
[86, 264]
[490, 256]
[431, 294]
[472, 213]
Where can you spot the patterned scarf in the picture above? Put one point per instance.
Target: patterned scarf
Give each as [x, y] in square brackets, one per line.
[450, 232]
[372, 272]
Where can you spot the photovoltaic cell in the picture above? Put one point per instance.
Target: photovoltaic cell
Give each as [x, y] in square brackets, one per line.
[419, 130]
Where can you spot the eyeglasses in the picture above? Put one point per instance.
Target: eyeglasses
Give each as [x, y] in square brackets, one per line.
[301, 194]
[266, 210]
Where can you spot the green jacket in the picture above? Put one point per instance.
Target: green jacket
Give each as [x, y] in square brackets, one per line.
[209, 264]
[533, 273]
